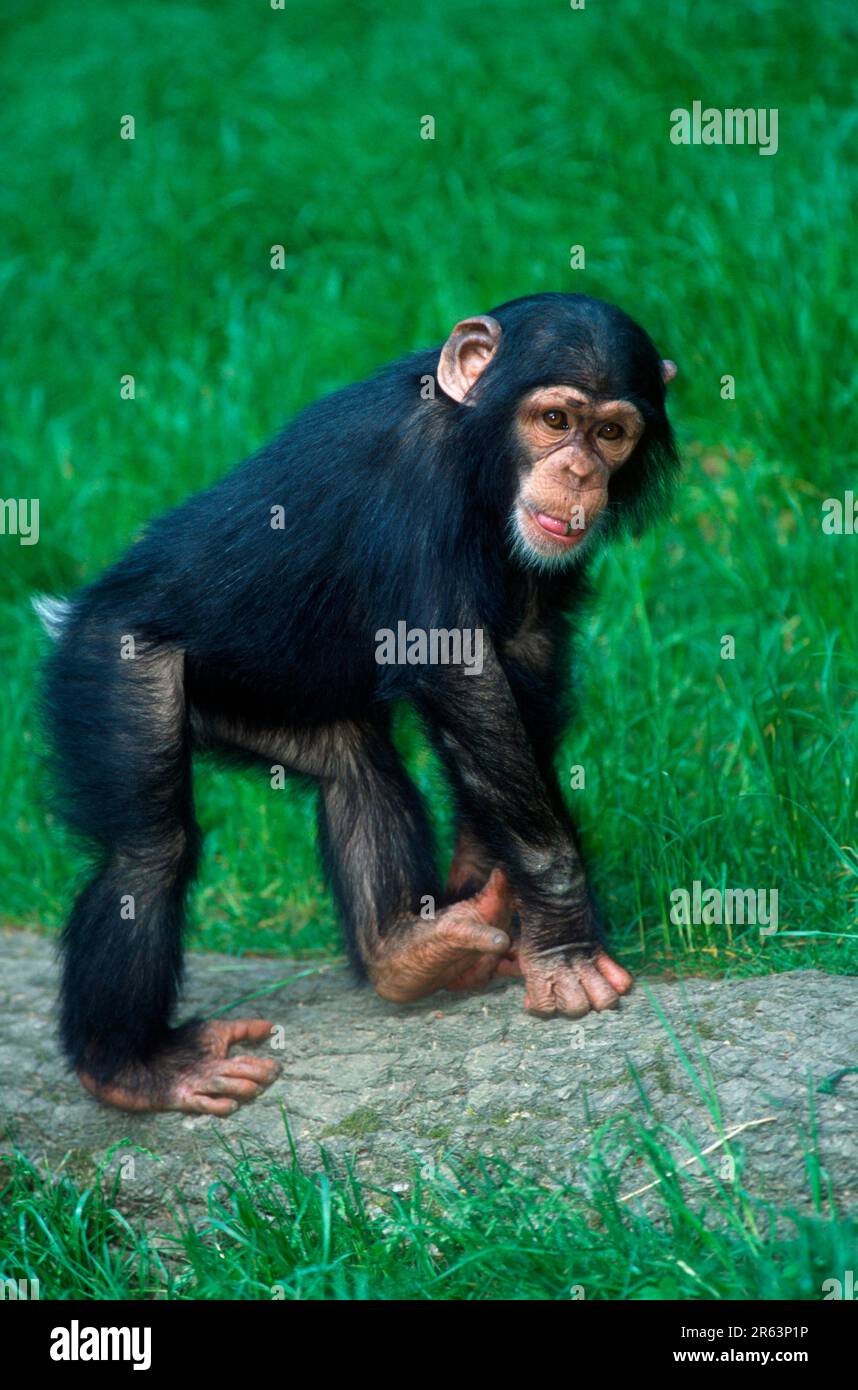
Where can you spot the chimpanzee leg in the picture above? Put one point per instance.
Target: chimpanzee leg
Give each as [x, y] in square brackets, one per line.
[124, 750]
[377, 846]
[378, 851]
[471, 864]
[470, 870]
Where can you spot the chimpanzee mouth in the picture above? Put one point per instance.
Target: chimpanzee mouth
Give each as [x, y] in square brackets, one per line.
[560, 530]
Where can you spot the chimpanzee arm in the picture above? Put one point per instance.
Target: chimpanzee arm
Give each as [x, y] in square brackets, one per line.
[504, 793]
[508, 796]
[534, 663]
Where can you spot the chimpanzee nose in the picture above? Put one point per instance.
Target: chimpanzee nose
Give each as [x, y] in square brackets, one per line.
[580, 465]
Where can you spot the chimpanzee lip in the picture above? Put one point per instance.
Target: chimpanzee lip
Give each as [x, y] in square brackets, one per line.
[559, 537]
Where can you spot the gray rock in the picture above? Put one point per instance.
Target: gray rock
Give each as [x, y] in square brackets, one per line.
[382, 1085]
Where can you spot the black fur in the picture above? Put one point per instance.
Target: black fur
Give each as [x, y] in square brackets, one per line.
[262, 640]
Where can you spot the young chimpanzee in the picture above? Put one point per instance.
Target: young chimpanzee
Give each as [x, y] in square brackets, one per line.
[463, 489]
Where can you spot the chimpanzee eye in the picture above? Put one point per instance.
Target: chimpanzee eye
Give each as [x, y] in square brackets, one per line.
[556, 419]
[611, 431]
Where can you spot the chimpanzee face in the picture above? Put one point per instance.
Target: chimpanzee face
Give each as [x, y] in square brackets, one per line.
[570, 446]
[569, 440]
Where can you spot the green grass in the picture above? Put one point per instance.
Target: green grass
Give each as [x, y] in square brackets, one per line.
[257, 127]
[649, 1215]
[463, 1227]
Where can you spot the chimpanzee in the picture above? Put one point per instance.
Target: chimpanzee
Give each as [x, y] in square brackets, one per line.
[461, 490]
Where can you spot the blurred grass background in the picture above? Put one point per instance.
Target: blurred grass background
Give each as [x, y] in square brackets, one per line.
[300, 127]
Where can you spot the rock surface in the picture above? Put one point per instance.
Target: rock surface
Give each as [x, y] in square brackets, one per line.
[385, 1085]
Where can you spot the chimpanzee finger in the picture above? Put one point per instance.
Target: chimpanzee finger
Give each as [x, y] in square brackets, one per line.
[199, 1104]
[247, 1030]
[596, 987]
[617, 977]
[263, 1070]
[237, 1087]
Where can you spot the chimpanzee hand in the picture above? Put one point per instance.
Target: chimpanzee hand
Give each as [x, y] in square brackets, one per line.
[571, 982]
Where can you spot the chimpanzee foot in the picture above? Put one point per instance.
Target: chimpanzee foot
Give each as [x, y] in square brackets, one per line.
[196, 1075]
[460, 949]
[572, 984]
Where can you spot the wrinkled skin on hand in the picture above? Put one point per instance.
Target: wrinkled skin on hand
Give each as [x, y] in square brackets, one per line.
[572, 983]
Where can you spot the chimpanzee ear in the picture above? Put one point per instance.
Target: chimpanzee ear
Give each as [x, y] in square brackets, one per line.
[466, 354]
[668, 370]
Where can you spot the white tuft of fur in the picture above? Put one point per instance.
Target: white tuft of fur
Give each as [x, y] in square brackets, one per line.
[53, 613]
[523, 550]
